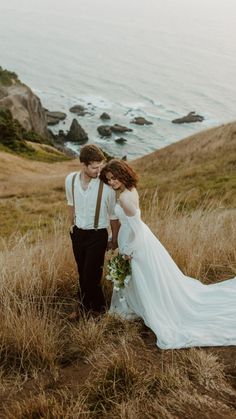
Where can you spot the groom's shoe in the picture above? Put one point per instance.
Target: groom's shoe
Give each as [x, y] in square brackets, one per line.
[74, 316]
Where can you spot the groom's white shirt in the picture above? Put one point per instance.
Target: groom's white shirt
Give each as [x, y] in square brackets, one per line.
[86, 200]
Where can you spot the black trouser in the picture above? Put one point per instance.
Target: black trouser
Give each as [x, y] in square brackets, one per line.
[89, 248]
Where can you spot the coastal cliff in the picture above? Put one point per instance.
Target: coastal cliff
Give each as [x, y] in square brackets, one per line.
[23, 122]
[23, 104]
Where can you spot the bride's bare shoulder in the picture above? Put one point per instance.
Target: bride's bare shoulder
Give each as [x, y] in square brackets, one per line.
[129, 194]
[129, 201]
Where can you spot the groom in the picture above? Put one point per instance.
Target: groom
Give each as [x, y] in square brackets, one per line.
[91, 209]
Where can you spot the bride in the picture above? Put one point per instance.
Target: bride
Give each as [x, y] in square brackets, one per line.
[181, 311]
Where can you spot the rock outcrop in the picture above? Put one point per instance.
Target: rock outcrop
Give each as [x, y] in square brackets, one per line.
[79, 110]
[104, 130]
[139, 120]
[105, 116]
[107, 130]
[120, 128]
[76, 133]
[120, 140]
[191, 117]
[24, 106]
[54, 118]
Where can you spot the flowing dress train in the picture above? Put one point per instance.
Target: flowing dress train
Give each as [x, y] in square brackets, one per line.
[181, 311]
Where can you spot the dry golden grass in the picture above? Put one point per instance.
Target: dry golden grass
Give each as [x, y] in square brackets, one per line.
[30, 337]
[107, 367]
[204, 369]
[48, 149]
[59, 405]
[90, 335]
[202, 242]
[121, 373]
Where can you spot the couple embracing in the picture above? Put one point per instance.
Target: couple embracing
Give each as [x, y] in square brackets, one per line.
[180, 310]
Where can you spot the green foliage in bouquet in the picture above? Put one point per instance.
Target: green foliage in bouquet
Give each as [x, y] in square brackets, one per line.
[119, 271]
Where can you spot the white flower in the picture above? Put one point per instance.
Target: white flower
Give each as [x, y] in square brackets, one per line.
[127, 279]
[116, 288]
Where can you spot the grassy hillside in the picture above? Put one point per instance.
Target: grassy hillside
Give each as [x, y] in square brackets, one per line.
[201, 167]
[104, 368]
[31, 192]
[197, 170]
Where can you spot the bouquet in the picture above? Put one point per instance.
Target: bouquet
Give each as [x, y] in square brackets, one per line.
[119, 271]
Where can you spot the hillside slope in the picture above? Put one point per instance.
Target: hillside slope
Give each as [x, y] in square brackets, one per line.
[106, 367]
[200, 166]
[31, 192]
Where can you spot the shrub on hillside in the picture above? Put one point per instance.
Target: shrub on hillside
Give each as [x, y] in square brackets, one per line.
[11, 132]
[7, 78]
[14, 136]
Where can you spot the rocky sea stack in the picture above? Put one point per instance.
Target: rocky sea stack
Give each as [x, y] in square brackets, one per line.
[105, 116]
[139, 120]
[190, 117]
[79, 110]
[76, 133]
[54, 118]
[107, 130]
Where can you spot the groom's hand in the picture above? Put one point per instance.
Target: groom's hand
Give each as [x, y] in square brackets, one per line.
[112, 245]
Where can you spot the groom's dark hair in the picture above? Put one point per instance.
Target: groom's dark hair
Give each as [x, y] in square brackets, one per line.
[90, 153]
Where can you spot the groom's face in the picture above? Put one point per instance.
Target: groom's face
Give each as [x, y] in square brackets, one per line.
[93, 169]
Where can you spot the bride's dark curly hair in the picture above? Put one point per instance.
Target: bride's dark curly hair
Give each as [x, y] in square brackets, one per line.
[121, 171]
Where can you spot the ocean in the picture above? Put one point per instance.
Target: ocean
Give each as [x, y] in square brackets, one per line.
[155, 58]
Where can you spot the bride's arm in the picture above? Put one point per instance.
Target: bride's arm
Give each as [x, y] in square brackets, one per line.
[131, 211]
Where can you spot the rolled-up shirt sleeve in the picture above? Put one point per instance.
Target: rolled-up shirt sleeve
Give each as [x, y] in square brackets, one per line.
[68, 187]
[111, 205]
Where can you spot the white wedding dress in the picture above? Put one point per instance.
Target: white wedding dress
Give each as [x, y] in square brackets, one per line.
[181, 311]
